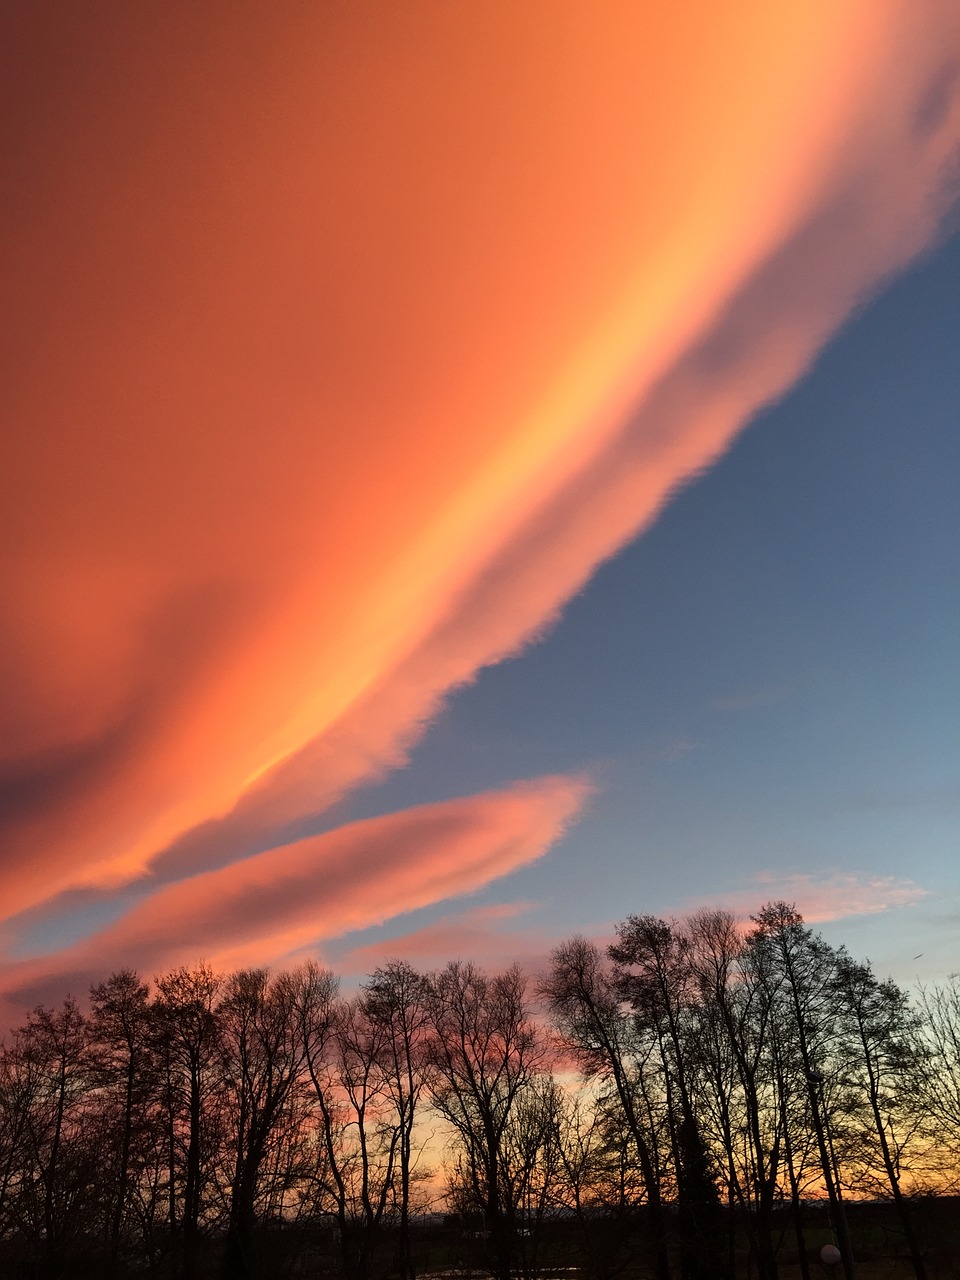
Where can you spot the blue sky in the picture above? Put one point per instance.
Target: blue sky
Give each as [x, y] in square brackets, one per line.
[766, 680]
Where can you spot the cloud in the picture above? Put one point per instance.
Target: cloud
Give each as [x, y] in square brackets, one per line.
[344, 352]
[820, 898]
[283, 900]
[482, 934]
[497, 934]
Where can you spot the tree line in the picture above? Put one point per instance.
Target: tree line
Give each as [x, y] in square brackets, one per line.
[678, 1100]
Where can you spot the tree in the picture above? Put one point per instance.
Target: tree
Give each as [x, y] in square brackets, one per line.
[716, 945]
[882, 1054]
[395, 1000]
[484, 1053]
[120, 1029]
[20, 1085]
[589, 1016]
[59, 1184]
[654, 974]
[263, 1053]
[188, 1046]
[940, 1010]
[594, 1182]
[749, 1079]
[803, 967]
[350, 1069]
[530, 1165]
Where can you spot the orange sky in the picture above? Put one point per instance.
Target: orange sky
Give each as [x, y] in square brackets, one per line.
[323, 326]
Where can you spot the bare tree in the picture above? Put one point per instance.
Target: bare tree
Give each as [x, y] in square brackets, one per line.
[21, 1085]
[655, 975]
[940, 1009]
[595, 1182]
[484, 1053]
[757, 1057]
[716, 944]
[531, 1165]
[593, 1023]
[59, 1188]
[120, 1029]
[803, 966]
[738, 993]
[350, 1070]
[188, 1046]
[882, 1059]
[263, 1053]
[395, 1000]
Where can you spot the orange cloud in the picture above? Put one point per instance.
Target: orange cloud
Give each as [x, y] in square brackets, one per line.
[285, 899]
[341, 351]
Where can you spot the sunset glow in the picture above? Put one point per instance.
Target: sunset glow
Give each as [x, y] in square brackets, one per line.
[342, 344]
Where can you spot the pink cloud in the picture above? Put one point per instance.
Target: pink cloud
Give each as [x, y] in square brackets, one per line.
[288, 468]
[820, 898]
[285, 899]
[867, 222]
[487, 935]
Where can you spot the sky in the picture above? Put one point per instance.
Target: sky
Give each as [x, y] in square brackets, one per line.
[474, 472]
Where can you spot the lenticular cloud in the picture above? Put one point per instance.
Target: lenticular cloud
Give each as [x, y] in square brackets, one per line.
[330, 387]
[272, 905]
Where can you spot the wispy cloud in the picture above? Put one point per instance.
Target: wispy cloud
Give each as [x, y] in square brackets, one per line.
[820, 898]
[499, 934]
[492, 936]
